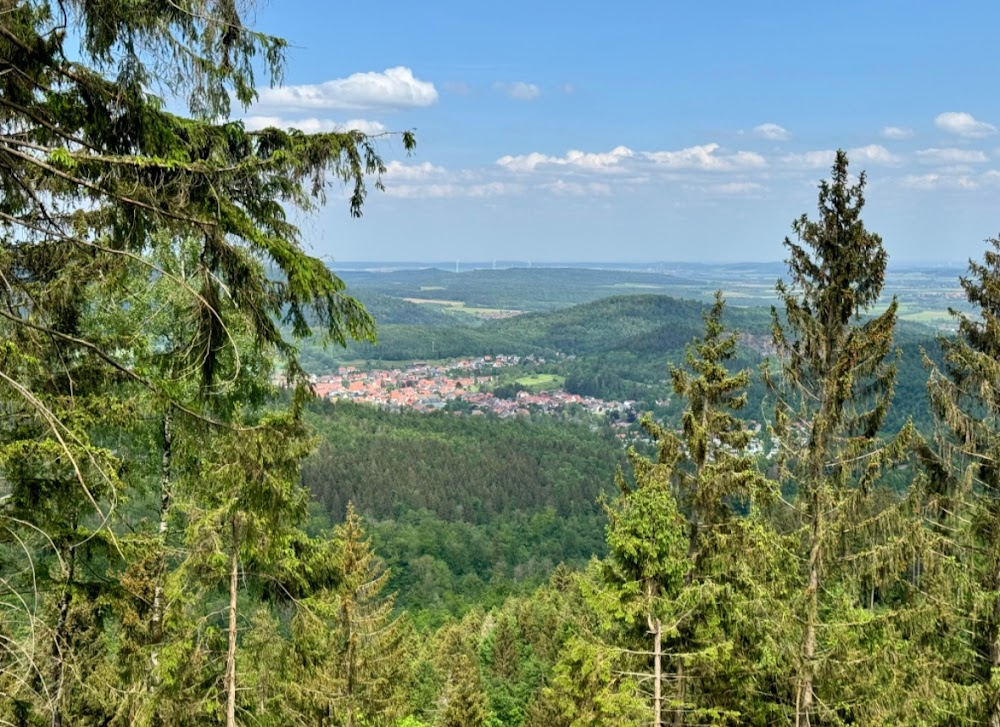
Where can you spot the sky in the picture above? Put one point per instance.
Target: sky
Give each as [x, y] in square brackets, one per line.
[645, 131]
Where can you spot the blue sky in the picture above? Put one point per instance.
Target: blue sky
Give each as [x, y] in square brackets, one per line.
[635, 131]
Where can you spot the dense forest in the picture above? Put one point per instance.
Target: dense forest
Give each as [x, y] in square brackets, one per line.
[182, 543]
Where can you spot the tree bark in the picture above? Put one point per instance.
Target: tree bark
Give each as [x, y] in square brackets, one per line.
[694, 551]
[230, 679]
[657, 674]
[804, 700]
[59, 642]
[156, 617]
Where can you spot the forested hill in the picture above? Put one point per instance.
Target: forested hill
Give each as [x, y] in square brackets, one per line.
[459, 468]
[653, 323]
[523, 289]
[613, 348]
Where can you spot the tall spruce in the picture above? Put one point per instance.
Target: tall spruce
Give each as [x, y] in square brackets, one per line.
[965, 495]
[720, 490]
[677, 537]
[835, 387]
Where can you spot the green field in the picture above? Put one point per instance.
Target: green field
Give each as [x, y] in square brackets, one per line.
[541, 382]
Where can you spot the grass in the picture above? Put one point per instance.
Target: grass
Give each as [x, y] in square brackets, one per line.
[541, 382]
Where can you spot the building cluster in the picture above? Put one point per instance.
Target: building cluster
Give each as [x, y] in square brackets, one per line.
[428, 387]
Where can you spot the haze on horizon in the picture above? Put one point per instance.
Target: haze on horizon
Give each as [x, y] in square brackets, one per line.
[660, 132]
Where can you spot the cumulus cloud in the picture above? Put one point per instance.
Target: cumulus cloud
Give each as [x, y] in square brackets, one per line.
[928, 182]
[392, 89]
[607, 161]
[921, 181]
[705, 157]
[873, 154]
[897, 133]
[519, 90]
[397, 170]
[313, 126]
[824, 158]
[951, 156]
[772, 132]
[964, 125]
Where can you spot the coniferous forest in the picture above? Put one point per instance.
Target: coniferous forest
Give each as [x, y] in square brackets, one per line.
[187, 538]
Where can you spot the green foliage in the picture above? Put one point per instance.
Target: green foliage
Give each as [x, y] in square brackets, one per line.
[155, 564]
[836, 385]
[963, 491]
[139, 318]
[464, 510]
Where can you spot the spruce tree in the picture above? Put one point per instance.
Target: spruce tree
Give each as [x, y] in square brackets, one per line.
[369, 658]
[99, 184]
[964, 501]
[720, 492]
[679, 538]
[835, 387]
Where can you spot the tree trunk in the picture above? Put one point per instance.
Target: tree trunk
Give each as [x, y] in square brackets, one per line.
[230, 680]
[804, 699]
[156, 617]
[694, 551]
[349, 676]
[60, 643]
[656, 626]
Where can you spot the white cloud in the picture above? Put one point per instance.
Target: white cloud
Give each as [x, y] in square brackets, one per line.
[397, 170]
[873, 154]
[933, 181]
[607, 161]
[519, 90]
[393, 89]
[964, 125]
[921, 181]
[824, 158]
[951, 156]
[705, 157]
[313, 126]
[897, 133]
[568, 89]
[772, 132]
[575, 189]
